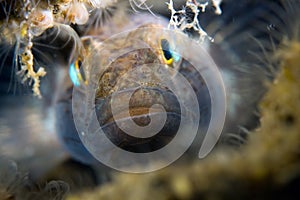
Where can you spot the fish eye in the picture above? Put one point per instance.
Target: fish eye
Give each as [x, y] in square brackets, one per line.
[77, 74]
[168, 54]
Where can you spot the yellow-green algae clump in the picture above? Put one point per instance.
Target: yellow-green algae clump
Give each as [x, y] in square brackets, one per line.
[267, 167]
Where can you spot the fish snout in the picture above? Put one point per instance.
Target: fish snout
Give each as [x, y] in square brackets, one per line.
[140, 119]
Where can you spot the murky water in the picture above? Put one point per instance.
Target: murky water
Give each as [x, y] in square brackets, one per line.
[27, 134]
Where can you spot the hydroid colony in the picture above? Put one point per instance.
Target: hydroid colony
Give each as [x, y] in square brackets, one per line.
[25, 20]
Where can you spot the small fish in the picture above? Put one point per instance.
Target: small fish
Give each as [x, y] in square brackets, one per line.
[244, 80]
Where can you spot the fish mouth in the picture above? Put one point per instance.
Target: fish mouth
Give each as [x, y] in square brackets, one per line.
[141, 100]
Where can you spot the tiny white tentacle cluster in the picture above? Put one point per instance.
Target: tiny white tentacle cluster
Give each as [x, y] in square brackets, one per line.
[187, 18]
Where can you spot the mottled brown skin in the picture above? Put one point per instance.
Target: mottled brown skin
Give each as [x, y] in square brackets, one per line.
[148, 91]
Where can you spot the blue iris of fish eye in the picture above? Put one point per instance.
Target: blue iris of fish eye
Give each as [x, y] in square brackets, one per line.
[77, 73]
[74, 75]
[176, 56]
